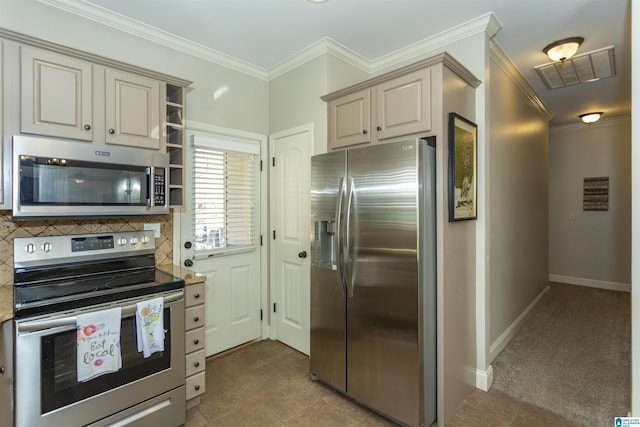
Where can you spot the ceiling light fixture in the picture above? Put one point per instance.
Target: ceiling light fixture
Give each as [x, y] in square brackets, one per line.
[564, 49]
[317, 1]
[589, 118]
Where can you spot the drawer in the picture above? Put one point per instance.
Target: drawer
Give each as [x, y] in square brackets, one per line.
[195, 362]
[194, 294]
[194, 317]
[195, 385]
[194, 340]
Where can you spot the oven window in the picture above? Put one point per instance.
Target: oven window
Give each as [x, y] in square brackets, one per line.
[59, 377]
[60, 182]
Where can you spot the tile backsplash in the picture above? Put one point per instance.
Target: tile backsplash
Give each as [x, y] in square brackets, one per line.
[10, 228]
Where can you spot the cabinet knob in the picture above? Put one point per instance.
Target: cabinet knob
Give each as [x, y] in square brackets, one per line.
[87, 127]
[188, 263]
[197, 387]
[112, 131]
[364, 131]
[196, 341]
[196, 364]
[379, 128]
[196, 318]
[196, 296]
[2, 369]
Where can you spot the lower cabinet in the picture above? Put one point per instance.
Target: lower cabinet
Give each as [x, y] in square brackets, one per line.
[194, 342]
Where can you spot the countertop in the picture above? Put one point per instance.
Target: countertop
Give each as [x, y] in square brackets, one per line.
[6, 289]
[190, 277]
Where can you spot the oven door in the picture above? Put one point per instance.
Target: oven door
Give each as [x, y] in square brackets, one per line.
[47, 390]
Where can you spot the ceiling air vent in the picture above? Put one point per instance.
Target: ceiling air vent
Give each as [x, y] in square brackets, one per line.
[584, 68]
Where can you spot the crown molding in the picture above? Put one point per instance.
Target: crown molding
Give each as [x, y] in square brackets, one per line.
[487, 23]
[502, 60]
[323, 46]
[147, 32]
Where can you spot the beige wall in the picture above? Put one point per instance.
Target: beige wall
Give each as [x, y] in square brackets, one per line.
[595, 247]
[456, 266]
[517, 146]
[294, 97]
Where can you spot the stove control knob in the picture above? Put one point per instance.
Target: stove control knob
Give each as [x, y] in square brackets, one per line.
[122, 241]
[46, 247]
[133, 240]
[30, 248]
[144, 240]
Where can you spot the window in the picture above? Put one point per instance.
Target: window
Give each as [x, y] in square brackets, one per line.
[225, 195]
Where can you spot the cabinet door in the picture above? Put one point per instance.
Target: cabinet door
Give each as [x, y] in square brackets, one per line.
[55, 95]
[404, 105]
[349, 120]
[132, 110]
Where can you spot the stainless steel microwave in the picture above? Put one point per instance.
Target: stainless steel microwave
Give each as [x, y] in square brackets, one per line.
[62, 178]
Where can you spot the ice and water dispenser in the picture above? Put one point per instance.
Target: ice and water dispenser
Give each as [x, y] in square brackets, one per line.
[323, 244]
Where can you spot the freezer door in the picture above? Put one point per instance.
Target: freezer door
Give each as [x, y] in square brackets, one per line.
[384, 359]
[328, 333]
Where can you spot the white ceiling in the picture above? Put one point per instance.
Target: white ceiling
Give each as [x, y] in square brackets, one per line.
[266, 32]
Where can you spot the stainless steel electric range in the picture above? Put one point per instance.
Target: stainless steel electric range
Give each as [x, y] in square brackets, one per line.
[60, 277]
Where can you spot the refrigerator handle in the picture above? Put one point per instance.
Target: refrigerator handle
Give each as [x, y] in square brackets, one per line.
[338, 238]
[348, 266]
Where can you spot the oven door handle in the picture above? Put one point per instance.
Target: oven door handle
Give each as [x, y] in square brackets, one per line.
[127, 310]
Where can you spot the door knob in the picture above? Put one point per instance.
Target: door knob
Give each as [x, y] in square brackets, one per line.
[302, 254]
[188, 262]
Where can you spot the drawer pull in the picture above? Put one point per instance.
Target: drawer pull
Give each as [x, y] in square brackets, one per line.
[196, 364]
[196, 318]
[196, 387]
[196, 341]
[196, 296]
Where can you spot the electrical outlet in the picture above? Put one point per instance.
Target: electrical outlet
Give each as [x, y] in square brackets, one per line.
[155, 228]
[572, 216]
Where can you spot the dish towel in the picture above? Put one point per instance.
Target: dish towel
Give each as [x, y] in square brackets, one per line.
[150, 326]
[98, 343]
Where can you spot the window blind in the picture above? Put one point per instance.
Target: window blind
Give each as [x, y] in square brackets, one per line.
[225, 175]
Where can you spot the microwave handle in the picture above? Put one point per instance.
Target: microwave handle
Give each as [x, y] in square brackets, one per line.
[150, 187]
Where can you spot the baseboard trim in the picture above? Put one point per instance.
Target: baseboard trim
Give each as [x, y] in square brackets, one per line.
[498, 345]
[484, 379]
[601, 284]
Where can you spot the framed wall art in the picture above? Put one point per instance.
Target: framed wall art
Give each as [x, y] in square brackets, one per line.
[463, 172]
[596, 194]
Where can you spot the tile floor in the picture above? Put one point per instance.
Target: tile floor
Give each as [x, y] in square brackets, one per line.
[268, 384]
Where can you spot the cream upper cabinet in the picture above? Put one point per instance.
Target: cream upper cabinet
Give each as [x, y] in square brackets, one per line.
[66, 97]
[392, 108]
[350, 120]
[404, 105]
[132, 110]
[56, 94]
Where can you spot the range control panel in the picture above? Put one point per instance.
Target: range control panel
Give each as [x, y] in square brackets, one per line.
[47, 249]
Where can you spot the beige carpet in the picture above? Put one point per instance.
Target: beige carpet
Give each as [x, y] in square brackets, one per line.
[572, 356]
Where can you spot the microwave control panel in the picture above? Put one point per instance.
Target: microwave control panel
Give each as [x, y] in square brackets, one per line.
[159, 181]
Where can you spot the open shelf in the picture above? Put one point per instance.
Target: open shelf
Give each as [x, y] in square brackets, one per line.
[175, 122]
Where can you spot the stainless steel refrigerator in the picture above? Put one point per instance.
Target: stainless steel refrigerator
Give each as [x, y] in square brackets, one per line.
[373, 277]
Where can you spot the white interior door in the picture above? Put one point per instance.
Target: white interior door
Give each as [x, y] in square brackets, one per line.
[233, 268]
[290, 235]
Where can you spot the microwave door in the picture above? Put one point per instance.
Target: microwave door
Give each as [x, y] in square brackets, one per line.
[78, 180]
